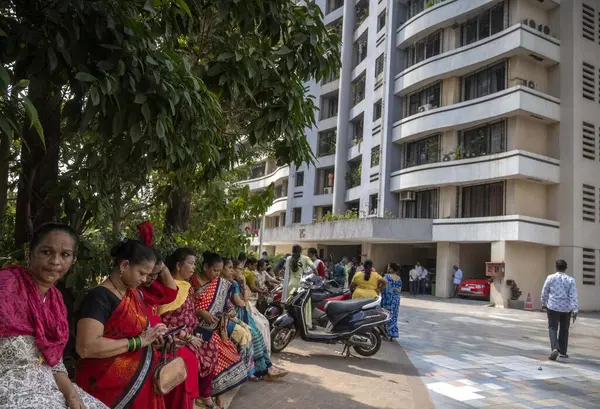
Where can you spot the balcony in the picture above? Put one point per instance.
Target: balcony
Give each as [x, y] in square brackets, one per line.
[518, 100]
[279, 206]
[516, 40]
[437, 16]
[264, 181]
[497, 228]
[516, 164]
[353, 231]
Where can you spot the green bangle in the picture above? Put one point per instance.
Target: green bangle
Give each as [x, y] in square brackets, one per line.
[129, 344]
[138, 341]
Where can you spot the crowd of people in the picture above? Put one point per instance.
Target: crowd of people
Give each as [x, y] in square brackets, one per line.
[146, 314]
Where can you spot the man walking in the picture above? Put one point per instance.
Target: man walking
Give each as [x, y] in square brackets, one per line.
[457, 278]
[559, 296]
[413, 281]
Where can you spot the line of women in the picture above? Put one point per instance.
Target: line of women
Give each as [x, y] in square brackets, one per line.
[123, 327]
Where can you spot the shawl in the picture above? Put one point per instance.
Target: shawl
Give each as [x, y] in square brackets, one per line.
[24, 312]
[183, 291]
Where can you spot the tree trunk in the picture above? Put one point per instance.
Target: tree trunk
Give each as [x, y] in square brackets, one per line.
[177, 217]
[39, 165]
[4, 168]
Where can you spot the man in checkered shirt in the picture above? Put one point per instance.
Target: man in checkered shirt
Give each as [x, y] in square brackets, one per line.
[559, 296]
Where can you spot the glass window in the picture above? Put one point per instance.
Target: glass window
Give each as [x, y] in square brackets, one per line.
[484, 82]
[423, 49]
[381, 20]
[422, 151]
[414, 7]
[470, 31]
[427, 96]
[297, 216]
[484, 25]
[299, 179]
[326, 145]
[377, 110]
[483, 200]
[497, 19]
[375, 152]
[483, 140]
[488, 23]
[379, 65]
[373, 199]
[360, 49]
[423, 207]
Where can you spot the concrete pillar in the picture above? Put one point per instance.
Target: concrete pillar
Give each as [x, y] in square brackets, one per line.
[499, 291]
[448, 255]
[388, 201]
[344, 105]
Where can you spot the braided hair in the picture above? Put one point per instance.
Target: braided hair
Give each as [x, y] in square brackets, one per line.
[368, 268]
[296, 253]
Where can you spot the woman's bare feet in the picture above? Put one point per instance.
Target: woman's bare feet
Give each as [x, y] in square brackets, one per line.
[209, 403]
[275, 373]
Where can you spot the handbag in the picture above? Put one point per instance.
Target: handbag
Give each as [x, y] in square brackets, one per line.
[169, 372]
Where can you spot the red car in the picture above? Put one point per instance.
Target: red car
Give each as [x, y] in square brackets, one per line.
[476, 288]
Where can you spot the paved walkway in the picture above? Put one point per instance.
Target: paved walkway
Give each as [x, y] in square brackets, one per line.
[471, 355]
[321, 379]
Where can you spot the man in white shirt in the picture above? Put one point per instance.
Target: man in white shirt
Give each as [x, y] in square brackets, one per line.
[559, 296]
[422, 272]
[413, 278]
[457, 278]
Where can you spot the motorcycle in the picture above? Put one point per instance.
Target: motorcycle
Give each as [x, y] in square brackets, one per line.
[356, 324]
[328, 291]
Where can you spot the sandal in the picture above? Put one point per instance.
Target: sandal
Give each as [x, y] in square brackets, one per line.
[212, 405]
[253, 379]
[276, 374]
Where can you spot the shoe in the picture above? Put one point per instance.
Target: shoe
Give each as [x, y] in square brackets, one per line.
[554, 355]
[564, 356]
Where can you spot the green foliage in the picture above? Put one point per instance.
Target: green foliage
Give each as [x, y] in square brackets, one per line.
[348, 215]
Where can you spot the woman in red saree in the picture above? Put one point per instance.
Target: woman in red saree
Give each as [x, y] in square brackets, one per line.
[183, 312]
[212, 307]
[115, 336]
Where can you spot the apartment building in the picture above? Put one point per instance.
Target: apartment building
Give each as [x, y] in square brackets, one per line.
[461, 132]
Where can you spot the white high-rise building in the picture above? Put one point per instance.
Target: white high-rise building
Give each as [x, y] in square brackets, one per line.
[462, 132]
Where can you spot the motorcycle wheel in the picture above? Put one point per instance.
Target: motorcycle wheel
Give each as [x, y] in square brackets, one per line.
[281, 338]
[375, 339]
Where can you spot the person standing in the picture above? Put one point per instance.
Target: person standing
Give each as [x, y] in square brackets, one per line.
[559, 296]
[413, 281]
[339, 272]
[391, 298]
[457, 278]
[351, 269]
[422, 274]
[321, 270]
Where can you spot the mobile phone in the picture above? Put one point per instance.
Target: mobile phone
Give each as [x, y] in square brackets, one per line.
[174, 331]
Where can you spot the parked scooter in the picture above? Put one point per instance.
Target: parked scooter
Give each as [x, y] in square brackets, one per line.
[328, 291]
[354, 323]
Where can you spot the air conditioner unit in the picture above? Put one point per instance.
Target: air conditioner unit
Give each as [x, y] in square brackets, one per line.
[328, 190]
[530, 22]
[425, 107]
[407, 195]
[544, 29]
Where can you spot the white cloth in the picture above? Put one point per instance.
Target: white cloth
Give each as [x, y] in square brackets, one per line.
[413, 275]
[262, 324]
[560, 293]
[422, 272]
[458, 275]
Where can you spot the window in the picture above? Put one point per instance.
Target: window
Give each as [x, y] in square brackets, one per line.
[589, 141]
[430, 96]
[486, 24]
[358, 90]
[589, 22]
[326, 145]
[373, 201]
[281, 190]
[589, 81]
[381, 20]
[357, 130]
[299, 179]
[375, 152]
[329, 107]
[362, 13]
[377, 110]
[414, 7]
[426, 48]
[379, 65]
[589, 203]
[353, 174]
[483, 200]
[324, 182]
[297, 216]
[423, 207]
[483, 140]
[258, 171]
[360, 49]
[485, 82]
[589, 267]
[422, 152]
[334, 5]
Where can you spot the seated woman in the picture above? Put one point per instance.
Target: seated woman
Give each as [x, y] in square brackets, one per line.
[183, 312]
[212, 295]
[367, 283]
[34, 328]
[263, 368]
[115, 336]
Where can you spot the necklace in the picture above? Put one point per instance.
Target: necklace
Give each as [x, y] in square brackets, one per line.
[136, 301]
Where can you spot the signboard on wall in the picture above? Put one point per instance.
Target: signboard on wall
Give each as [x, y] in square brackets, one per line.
[494, 269]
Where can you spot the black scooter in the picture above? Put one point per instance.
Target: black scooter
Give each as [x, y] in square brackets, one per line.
[354, 323]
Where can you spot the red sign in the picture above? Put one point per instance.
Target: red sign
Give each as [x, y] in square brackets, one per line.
[493, 269]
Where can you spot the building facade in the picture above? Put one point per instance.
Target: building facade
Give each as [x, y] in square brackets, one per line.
[460, 132]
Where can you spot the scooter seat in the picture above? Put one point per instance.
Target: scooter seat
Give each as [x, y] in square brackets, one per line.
[341, 307]
[318, 297]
